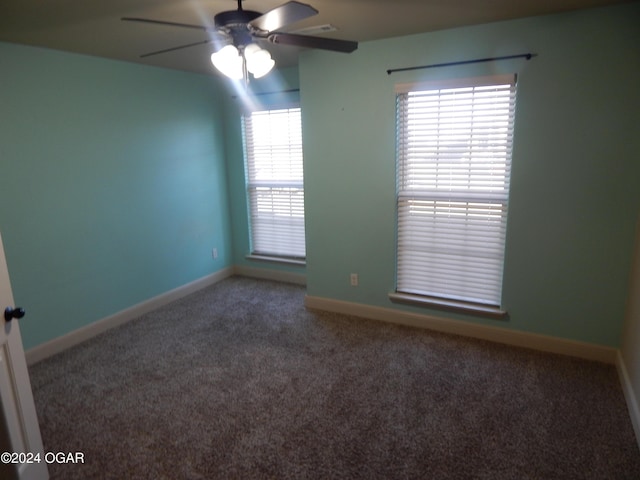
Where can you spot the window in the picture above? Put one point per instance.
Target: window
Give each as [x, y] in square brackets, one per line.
[454, 160]
[273, 152]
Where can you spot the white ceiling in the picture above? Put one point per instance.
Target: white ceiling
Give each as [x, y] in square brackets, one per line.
[93, 27]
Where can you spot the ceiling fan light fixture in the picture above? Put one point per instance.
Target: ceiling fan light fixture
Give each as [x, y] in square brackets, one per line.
[259, 61]
[228, 61]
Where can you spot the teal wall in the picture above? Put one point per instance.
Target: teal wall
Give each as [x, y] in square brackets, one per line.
[575, 190]
[114, 184]
[273, 91]
[119, 179]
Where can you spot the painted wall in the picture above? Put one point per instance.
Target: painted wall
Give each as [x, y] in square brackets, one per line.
[273, 91]
[114, 184]
[575, 191]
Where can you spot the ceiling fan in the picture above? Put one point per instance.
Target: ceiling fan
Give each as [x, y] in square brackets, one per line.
[238, 30]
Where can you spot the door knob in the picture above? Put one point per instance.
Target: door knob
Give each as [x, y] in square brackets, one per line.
[11, 313]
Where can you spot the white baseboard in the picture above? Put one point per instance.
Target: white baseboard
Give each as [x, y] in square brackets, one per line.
[269, 274]
[57, 345]
[496, 334]
[629, 395]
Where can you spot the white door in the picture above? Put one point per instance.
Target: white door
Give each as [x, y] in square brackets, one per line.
[22, 456]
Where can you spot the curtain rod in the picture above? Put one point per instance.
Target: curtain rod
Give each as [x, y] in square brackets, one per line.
[528, 56]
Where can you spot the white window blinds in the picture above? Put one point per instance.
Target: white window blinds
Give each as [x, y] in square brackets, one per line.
[273, 142]
[454, 162]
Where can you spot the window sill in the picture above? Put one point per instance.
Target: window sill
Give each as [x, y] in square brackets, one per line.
[284, 260]
[450, 305]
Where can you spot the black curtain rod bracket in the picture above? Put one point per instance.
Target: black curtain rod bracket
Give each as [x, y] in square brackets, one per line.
[528, 56]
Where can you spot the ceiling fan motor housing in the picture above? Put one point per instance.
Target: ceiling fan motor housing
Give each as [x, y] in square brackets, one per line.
[236, 23]
[235, 18]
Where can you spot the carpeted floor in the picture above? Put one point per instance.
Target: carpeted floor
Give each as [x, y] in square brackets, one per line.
[239, 381]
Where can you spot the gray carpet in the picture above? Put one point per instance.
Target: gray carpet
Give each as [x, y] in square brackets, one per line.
[239, 381]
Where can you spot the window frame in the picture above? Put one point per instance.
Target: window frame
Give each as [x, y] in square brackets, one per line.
[252, 184]
[490, 307]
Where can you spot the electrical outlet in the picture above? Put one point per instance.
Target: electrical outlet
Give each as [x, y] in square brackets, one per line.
[214, 253]
[354, 279]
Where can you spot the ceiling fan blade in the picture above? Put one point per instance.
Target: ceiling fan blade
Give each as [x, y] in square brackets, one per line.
[283, 15]
[345, 46]
[162, 22]
[158, 52]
